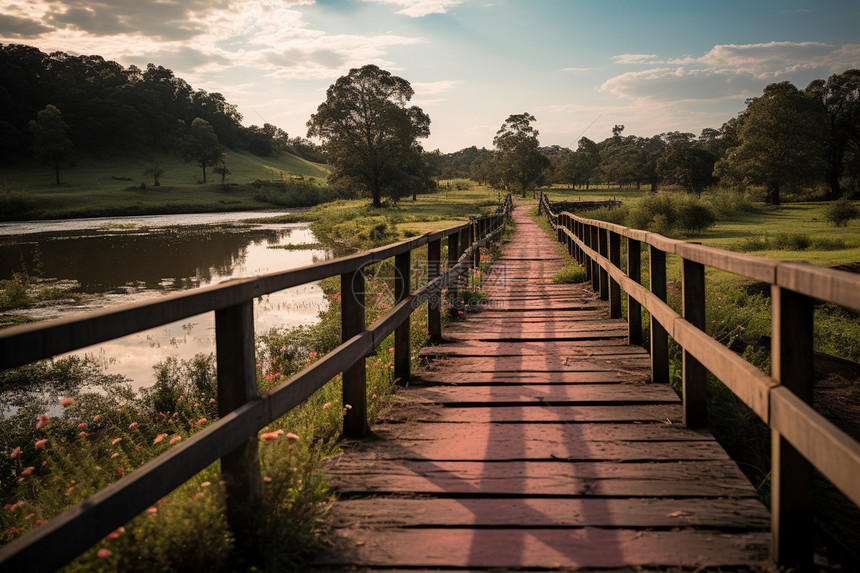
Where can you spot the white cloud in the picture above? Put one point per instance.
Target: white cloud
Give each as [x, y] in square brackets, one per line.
[576, 70]
[635, 59]
[419, 8]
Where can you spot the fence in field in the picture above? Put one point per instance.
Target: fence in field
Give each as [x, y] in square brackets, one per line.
[242, 412]
[802, 439]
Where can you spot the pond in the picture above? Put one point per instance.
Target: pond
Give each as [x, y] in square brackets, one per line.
[113, 261]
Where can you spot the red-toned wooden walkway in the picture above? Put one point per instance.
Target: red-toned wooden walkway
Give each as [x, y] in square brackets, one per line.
[534, 440]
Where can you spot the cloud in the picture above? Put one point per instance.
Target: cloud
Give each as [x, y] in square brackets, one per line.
[635, 59]
[681, 84]
[18, 27]
[576, 70]
[774, 58]
[419, 8]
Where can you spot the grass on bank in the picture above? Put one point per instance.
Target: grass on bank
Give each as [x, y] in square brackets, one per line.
[61, 449]
[99, 186]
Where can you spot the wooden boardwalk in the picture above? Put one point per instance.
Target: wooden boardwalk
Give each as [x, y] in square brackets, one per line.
[534, 440]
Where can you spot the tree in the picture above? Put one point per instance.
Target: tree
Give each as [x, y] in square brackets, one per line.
[840, 97]
[51, 138]
[518, 158]
[369, 135]
[155, 171]
[203, 146]
[779, 141]
[686, 163]
[221, 169]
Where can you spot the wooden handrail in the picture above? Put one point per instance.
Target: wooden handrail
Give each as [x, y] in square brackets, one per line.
[61, 539]
[802, 438]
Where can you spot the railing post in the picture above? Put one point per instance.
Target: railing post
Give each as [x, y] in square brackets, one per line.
[476, 236]
[695, 375]
[659, 336]
[434, 305]
[614, 287]
[595, 268]
[402, 289]
[237, 384]
[791, 473]
[603, 249]
[453, 285]
[352, 319]
[634, 309]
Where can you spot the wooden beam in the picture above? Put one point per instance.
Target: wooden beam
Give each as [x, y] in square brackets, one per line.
[659, 337]
[634, 309]
[614, 288]
[434, 304]
[402, 342]
[694, 374]
[352, 289]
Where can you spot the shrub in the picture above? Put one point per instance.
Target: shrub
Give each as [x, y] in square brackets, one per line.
[791, 242]
[13, 204]
[694, 216]
[840, 212]
[728, 202]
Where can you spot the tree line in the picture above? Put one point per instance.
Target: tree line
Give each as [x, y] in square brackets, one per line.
[108, 107]
[786, 138]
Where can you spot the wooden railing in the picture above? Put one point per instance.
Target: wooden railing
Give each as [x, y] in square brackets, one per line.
[242, 413]
[802, 439]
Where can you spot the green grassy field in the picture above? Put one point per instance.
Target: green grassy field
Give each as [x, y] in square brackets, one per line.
[103, 186]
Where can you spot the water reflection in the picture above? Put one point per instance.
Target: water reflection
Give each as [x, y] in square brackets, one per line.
[114, 265]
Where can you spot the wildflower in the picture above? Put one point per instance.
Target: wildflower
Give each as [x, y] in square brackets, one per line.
[114, 535]
[267, 436]
[390, 350]
[132, 425]
[121, 408]
[114, 455]
[44, 463]
[98, 468]
[201, 421]
[70, 490]
[312, 354]
[326, 406]
[82, 425]
[206, 484]
[27, 471]
[13, 531]
[15, 452]
[29, 516]
[222, 483]
[83, 434]
[115, 441]
[152, 510]
[197, 495]
[175, 414]
[414, 322]
[55, 479]
[97, 417]
[347, 407]
[267, 479]
[211, 400]
[104, 553]
[373, 397]
[39, 522]
[43, 421]
[67, 401]
[174, 439]
[41, 443]
[292, 436]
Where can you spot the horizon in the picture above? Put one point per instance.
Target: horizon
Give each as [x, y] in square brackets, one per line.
[671, 66]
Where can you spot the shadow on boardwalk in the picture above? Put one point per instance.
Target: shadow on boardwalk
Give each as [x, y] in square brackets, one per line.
[533, 439]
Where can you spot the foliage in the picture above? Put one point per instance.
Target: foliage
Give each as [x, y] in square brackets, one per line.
[841, 212]
[51, 143]
[518, 159]
[779, 142]
[663, 213]
[570, 274]
[202, 145]
[370, 136]
[13, 204]
[687, 165]
[155, 171]
[578, 168]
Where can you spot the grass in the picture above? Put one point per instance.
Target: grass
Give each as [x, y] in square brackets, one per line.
[573, 272]
[103, 435]
[111, 186]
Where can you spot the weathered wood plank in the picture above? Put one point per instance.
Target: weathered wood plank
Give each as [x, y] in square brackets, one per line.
[546, 548]
[455, 376]
[571, 394]
[417, 411]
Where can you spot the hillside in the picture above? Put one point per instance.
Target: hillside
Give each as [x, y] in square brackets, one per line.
[102, 186]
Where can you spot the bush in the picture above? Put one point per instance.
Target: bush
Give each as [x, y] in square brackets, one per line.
[297, 192]
[840, 212]
[571, 274]
[728, 202]
[13, 204]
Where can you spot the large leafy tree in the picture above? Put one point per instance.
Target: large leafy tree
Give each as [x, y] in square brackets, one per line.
[369, 134]
[518, 158]
[686, 163]
[203, 146]
[51, 142]
[578, 168]
[779, 141]
[840, 96]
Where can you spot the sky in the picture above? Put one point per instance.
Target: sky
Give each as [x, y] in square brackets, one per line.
[578, 66]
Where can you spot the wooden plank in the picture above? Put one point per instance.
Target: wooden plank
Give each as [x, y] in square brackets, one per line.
[573, 348]
[831, 285]
[427, 411]
[456, 376]
[555, 394]
[730, 514]
[538, 363]
[545, 548]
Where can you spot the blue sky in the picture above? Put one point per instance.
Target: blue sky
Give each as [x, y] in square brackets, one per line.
[579, 66]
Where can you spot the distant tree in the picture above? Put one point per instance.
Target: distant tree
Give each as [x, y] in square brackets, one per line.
[51, 138]
[518, 158]
[203, 146]
[368, 133]
[779, 141]
[485, 171]
[840, 97]
[155, 171]
[221, 169]
[686, 163]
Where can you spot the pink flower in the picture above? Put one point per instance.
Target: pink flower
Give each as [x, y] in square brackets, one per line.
[83, 434]
[70, 490]
[292, 436]
[67, 401]
[152, 510]
[15, 452]
[267, 479]
[312, 354]
[390, 350]
[267, 436]
[115, 441]
[414, 322]
[114, 455]
[211, 400]
[98, 468]
[198, 495]
[83, 425]
[373, 397]
[174, 439]
[104, 553]
[159, 438]
[206, 484]
[39, 522]
[97, 417]
[41, 443]
[29, 516]
[132, 425]
[201, 421]
[326, 406]
[43, 421]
